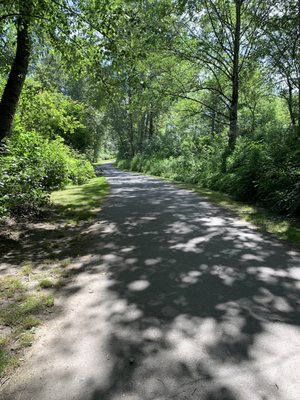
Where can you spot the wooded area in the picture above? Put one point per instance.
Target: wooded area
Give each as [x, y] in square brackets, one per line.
[200, 91]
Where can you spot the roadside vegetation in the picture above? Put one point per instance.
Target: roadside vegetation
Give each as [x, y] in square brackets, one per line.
[80, 203]
[263, 174]
[28, 288]
[24, 304]
[285, 228]
[204, 92]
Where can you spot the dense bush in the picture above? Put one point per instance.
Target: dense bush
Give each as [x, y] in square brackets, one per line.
[35, 166]
[265, 172]
[52, 113]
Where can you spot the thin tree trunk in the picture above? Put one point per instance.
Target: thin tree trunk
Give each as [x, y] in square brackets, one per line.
[16, 78]
[253, 115]
[290, 103]
[142, 130]
[131, 135]
[146, 126]
[151, 125]
[96, 147]
[213, 122]
[233, 114]
[130, 125]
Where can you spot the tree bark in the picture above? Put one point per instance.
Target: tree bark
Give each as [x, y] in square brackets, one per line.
[130, 124]
[233, 113]
[96, 147]
[213, 122]
[151, 125]
[16, 78]
[253, 117]
[131, 135]
[290, 103]
[298, 60]
[142, 130]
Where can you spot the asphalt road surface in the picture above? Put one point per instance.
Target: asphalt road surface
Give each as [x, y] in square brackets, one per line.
[173, 298]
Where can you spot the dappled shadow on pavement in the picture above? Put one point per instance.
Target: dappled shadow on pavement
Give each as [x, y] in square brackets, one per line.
[188, 303]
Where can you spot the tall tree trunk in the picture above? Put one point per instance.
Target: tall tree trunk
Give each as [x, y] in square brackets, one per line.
[213, 122]
[290, 103]
[233, 113]
[146, 126]
[130, 124]
[96, 147]
[142, 130]
[298, 52]
[253, 117]
[151, 125]
[131, 135]
[16, 78]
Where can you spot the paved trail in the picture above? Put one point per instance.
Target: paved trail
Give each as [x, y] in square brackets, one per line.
[173, 299]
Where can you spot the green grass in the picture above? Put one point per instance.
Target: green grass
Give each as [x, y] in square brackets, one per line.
[65, 263]
[27, 269]
[10, 286]
[47, 283]
[7, 361]
[79, 203]
[284, 228]
[20, 311]
[26, 339]
[100, 162]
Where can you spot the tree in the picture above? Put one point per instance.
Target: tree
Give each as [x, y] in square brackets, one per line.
[221, 37]
[282, 52]
[59, 23]
[18, 72]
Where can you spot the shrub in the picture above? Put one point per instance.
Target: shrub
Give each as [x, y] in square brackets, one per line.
[33, 168]
[244, 169]
[263, 171]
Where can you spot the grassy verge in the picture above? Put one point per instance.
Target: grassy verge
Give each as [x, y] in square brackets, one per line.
[79, 203]
[284, 228]
[21, 312]
[28, 289]
[100, 162]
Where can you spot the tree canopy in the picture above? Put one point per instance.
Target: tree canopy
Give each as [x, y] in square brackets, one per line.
[210, 88]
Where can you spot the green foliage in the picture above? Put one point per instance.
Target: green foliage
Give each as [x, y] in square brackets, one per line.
[164, 146]
[34, 167]
[244, 169]
[139, 79]
[266, 172]
[51, 111]
[53, 114]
